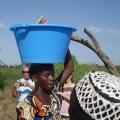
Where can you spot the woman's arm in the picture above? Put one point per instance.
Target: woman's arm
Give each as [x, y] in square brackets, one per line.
[67, 98]
[68, 69]
[15, 90]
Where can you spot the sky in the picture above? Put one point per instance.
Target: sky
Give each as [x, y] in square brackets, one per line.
[101, 17]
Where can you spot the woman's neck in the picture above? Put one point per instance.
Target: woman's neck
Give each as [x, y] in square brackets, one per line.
[40, 91]
[42, 95]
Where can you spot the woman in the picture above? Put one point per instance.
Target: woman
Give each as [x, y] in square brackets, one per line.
[22, 87]
[67, 89]
[41, 103]
[96, 97]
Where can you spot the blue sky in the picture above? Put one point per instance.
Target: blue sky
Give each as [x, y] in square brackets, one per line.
[101, 17]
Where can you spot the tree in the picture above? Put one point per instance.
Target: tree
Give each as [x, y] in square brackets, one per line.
[95, 47]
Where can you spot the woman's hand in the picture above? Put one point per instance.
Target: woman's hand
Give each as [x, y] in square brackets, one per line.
[16, 86]
[15, 89]
[67, 98]
[60, 93]
[27, 84]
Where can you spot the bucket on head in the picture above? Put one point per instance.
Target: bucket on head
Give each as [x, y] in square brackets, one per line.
[42, 43]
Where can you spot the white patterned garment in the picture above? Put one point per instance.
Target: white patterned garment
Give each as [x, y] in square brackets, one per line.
[98, 94]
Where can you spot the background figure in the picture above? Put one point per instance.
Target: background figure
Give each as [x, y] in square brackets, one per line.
[96, 97]
[67, 89]
[42, 103]
[23, 86]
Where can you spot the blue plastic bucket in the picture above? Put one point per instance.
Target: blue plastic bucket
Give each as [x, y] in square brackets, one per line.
[42, 43]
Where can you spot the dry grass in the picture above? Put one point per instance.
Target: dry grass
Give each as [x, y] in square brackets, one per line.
[7, 106]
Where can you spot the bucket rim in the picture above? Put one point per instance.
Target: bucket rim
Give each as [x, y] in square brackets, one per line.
[13, 27]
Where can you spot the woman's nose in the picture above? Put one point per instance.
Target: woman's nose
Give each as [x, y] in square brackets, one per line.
[51, 77]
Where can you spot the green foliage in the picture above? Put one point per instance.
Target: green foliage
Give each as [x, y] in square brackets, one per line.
[81, 69]
[2, 81]
[118, 68]
[8, 75]
[58, 69]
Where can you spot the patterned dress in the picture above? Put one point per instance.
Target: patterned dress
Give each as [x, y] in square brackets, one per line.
[32, 109]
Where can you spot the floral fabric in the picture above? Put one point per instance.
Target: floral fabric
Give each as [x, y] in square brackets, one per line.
[32, 109]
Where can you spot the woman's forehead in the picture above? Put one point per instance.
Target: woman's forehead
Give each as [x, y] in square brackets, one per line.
[25, 68]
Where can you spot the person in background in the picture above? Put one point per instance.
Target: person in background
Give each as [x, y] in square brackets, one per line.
[23, 87]
[67, 89]
[96, 97]
[43, 103]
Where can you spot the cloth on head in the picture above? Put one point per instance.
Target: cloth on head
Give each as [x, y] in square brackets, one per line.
[36, 68]
[98, 94]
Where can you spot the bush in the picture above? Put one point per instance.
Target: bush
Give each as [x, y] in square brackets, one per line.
[2, 81]
[8, 76]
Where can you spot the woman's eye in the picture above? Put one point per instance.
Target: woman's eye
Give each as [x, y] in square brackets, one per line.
[46, 75]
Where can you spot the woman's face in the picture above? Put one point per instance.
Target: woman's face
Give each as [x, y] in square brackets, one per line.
[45, 80]
[25, 72]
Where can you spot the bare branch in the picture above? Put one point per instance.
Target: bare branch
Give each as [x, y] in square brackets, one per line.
[82, 41]
[92, 38]
[94, 46]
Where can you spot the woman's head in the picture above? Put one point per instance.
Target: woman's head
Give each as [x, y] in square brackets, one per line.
[97, 95]
[43, 74]
[75, 111]
[25, 72]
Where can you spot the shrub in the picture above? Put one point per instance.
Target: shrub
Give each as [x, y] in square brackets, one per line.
[2, 81]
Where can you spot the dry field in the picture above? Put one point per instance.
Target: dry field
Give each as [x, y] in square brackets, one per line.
[7, 106]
